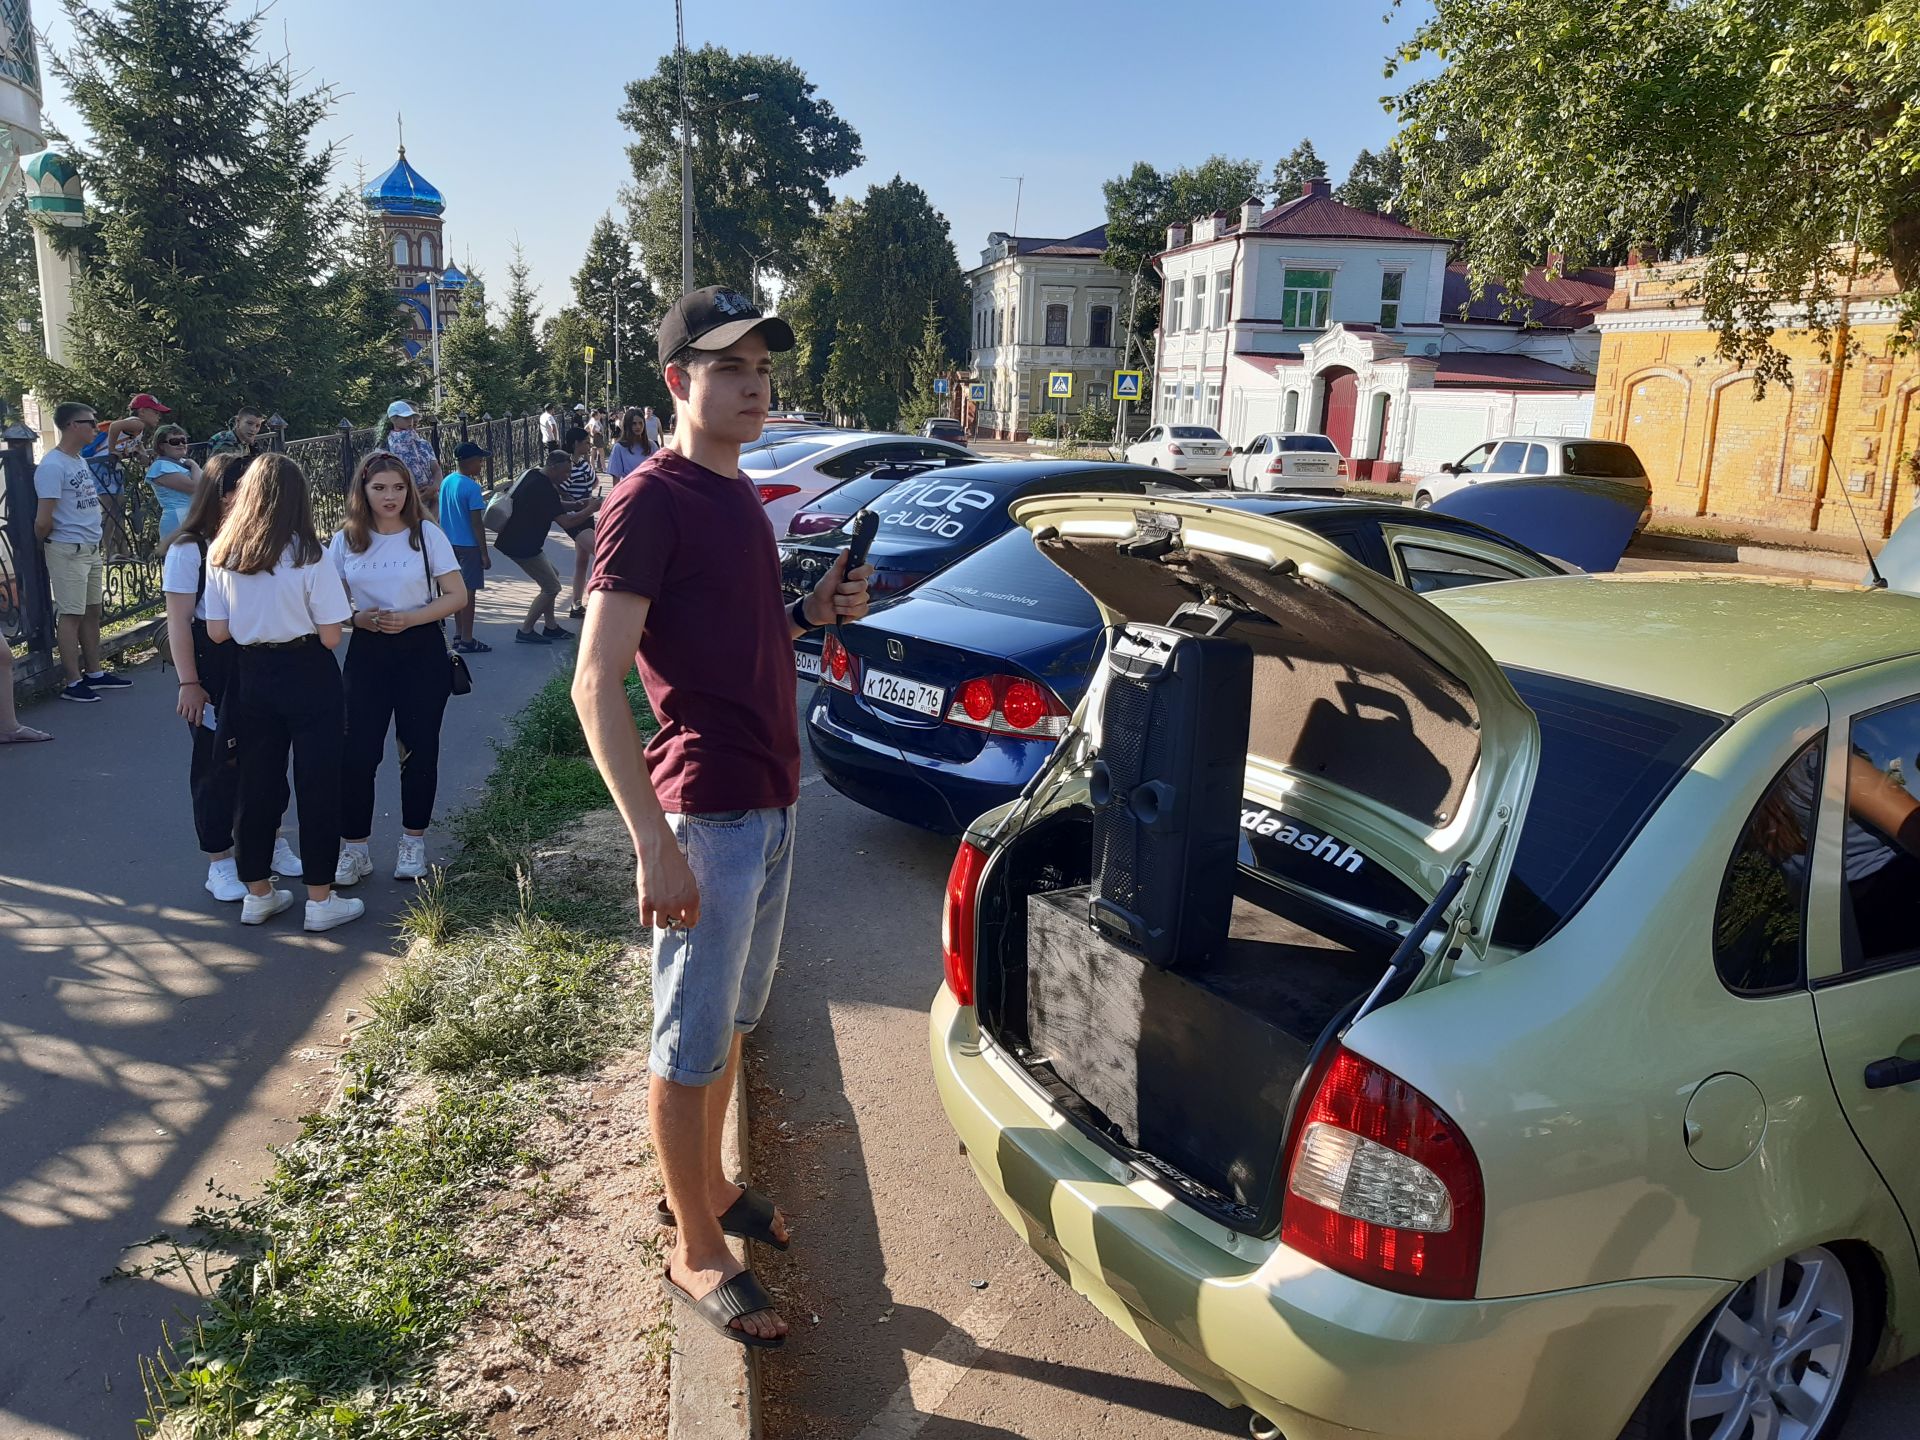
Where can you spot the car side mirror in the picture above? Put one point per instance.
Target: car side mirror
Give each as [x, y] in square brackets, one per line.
[1449, 469]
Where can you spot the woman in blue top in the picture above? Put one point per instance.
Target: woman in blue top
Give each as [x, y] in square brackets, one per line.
[173, 476]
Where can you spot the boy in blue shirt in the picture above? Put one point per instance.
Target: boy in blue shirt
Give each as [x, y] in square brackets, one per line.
[463, 508]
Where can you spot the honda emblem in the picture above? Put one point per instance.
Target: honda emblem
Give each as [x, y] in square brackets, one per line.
[895, 650]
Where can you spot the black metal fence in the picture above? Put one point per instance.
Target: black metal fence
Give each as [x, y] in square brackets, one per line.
[130, 516]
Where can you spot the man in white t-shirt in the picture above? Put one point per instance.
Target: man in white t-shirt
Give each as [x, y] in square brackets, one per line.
[67, 522]
[653, 430]
[550, 426]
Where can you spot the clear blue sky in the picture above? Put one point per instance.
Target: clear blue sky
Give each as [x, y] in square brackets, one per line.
[510, 106]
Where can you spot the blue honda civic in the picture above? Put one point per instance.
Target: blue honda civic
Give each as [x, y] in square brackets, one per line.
[944, 702]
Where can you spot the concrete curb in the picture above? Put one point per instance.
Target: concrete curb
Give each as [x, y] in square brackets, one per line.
[37, 679]
[714, 1384]
[1817, 564]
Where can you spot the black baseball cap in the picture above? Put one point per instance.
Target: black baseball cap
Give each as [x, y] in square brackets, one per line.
[714, 318]
[469, 451]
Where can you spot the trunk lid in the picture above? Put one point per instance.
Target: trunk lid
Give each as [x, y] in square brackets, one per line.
[1376, 717]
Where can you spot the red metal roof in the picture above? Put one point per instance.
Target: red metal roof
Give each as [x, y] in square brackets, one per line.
[1506, 372]
[1088, 244]
[1271, 364]
[1319, 216]
[1566, 302]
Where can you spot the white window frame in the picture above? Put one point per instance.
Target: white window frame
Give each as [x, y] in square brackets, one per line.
[1222, 292]
[1197, 304]
[1395, 303]
[1169, 401]
[1322, 311]
[1066, 325]
[1212, 400]
[1175, 309]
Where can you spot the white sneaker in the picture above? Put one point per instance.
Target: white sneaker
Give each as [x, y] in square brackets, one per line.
[411, 864]
[332, 911]
[258, 909]
[285, 862]
[354, 866]
[223, 881]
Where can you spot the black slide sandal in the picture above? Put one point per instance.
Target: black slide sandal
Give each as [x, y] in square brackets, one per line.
[748, 1218]
[728, 1301]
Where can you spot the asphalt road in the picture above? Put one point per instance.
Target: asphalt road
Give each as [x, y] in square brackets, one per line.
[150, 1047]
[893, 1338]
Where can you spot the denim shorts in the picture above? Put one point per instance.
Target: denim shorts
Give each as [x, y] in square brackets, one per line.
[471, 570]
[711, 983]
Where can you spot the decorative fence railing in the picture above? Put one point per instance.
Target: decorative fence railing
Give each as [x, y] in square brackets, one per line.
[130, 518]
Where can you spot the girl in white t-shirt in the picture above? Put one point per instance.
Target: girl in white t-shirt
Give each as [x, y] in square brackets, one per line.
[403, 579]
[206, 673]
[272, 590]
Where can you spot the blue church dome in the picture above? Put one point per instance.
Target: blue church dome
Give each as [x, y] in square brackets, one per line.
[453, 279]
[403, 190]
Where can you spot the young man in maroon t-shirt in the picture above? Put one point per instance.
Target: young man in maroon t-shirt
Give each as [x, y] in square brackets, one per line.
[686, 583]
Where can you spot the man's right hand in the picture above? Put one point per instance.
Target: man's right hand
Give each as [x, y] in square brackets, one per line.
[669, 895]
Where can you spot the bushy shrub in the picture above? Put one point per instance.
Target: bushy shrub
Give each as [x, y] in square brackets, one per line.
[1045, 426]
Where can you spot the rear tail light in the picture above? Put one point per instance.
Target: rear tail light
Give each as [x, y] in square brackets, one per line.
[836, 664]
[956, 924]
[1382, 1186]
[1278, 467]
[1008, 705]
[771, 493]
[1175, 450]
[1342, 469]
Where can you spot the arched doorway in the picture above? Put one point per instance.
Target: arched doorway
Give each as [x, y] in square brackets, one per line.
[1337, 407]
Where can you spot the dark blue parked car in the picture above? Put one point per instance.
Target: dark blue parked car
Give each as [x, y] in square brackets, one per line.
[944, 702]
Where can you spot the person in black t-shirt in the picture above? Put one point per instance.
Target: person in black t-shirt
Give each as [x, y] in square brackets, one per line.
[537, 503]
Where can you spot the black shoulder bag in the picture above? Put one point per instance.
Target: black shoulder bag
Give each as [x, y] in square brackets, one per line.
[456, 662]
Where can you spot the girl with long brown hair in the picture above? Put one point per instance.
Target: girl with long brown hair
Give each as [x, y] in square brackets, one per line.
[630, 445]
[273, 591]
[206, 674]
[402, 579]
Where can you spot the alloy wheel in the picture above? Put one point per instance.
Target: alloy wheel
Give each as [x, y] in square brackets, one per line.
[1775, 1361]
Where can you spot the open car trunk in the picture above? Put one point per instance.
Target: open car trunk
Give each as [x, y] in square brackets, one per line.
[1372, 774]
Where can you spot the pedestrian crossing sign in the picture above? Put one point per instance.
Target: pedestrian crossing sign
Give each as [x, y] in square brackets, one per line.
[1059, 384]
[1126, 384]
[977, 393]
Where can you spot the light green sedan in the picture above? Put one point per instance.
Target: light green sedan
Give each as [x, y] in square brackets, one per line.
[1558, 1077]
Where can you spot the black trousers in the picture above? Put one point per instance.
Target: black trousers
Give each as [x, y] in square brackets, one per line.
[213, 773]
[288, 700]
[400, 682]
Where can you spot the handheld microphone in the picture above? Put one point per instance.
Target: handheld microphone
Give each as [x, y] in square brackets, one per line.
[864, 526]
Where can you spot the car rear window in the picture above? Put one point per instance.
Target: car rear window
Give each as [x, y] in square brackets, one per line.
[1601, 460]
[847, 498]
[1193, 432]
[941, 505]
[1009, 576]
[1607, 759]
[780, 455]
[1319, 444]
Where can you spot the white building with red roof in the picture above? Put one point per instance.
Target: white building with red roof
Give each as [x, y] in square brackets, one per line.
[1316, 316]
[1042, 306]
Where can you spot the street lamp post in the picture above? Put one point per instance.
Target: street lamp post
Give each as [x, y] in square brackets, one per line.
[433, 331]
[686, 156]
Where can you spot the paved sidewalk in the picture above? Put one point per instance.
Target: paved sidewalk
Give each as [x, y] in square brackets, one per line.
[150, 1047]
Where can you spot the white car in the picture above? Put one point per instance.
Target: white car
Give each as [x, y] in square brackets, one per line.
[1288, 460]
[800, 468]
[1186, 449]
[1537, 457]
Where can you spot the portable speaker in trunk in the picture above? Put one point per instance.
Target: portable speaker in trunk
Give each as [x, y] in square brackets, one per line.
[1166, 790]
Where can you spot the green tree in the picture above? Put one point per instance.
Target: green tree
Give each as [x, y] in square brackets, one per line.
[929, 362]
[521, 356]
[765, 146]
[1141, 205]
[1760, 136]
[1295, 168]
[188, 256]
[609, 283]
[873, 273]
[21, 349]
[474, 378]
[369, 328]
[565, 339]
[1373, 184]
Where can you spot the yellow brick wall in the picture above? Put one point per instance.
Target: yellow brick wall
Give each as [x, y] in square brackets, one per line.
[1714, 447]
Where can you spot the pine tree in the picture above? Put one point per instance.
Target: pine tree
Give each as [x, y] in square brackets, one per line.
[374, 368]
[20, 349]
[930, 362]
[1301, 164]
[473, 376]
[520, 354]
[186, 255]
[609, 274]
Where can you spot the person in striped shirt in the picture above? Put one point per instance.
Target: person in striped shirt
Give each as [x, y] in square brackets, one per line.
[578, 490]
